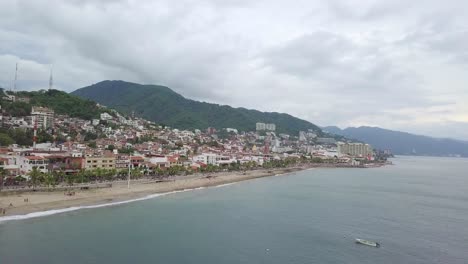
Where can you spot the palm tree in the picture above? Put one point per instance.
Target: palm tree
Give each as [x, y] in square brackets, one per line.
[98, 173]
[2, 175]
[48, 179]
[159, 172]
[121, 173]
[136, 173]
[35, 174]
[58, 177]
[70, 178]
[82, 175]
[110, 175]
[172, 170]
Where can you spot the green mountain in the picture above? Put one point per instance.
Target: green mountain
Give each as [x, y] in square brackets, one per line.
[61, 102]
[403, 143]
[164, 106]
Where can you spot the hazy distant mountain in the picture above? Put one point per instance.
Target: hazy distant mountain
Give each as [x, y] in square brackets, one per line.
[403, 143]
[162, 105]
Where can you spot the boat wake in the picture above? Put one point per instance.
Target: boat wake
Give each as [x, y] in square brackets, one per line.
[75, 208]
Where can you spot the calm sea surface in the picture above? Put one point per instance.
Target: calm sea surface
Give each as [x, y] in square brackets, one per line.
[417, 210]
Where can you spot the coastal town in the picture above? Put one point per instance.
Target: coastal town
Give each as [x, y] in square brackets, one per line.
[114, 146]
[71, 154]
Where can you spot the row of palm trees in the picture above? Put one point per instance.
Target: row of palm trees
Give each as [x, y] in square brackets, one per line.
[283, 163]
[54, 178]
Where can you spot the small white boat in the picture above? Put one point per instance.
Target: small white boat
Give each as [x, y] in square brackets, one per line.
[367, 243]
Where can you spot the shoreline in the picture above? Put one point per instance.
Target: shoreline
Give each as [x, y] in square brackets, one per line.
[53, 202]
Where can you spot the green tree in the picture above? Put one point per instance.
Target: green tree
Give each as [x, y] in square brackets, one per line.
[173, 170]
[44, 136]
[98, 172]
[3, 173]
[136, 173]
[90, 136]
[35, 175]
[5, 140]
[70, 178]
[81, 175]
[111, 147]
[59, 176]
[111, 174]
[48, 179]
[317, 160]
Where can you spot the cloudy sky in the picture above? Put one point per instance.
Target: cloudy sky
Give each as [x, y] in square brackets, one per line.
[395, 64]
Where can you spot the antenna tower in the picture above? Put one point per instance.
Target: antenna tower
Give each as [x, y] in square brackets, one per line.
[16, 78]
[51, 80]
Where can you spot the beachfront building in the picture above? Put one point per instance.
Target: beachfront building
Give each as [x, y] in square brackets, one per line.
[160, 161]
[122, 161]
[43, 116]
[354, 149]
[206, 158]
[27, 163]
[104, 162]
[137, 161]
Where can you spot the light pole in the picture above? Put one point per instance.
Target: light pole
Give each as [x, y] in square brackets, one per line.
[129, 165]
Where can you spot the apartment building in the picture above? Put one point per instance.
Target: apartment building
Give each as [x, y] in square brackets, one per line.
[43, 116]
[354, 149]
[104, 162]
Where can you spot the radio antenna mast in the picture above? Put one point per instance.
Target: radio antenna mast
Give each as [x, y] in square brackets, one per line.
[51, 79]
[16, 78]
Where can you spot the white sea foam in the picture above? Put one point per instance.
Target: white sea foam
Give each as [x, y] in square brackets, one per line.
[226, 184]
[74, 208]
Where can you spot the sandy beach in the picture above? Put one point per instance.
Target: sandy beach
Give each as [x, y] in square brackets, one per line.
[44, 201]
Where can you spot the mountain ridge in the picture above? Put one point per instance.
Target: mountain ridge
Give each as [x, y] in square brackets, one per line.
[165, 106]
[403, 143]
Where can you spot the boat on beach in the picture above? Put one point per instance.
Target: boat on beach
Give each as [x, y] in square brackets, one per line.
[367, 243]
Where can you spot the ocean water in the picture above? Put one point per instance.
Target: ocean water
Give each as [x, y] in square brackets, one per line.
[417, 209]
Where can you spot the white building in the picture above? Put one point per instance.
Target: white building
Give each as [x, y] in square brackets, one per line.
[43, 116]
[263, 126]
[260, 126]
[207, 158]
[27, 163]
[233, 130]
[270, 127]
[302, 136]
[161, 162]
[106, 116]
[354, 149]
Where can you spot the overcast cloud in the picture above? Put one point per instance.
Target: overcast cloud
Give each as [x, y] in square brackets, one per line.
[401, 65]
